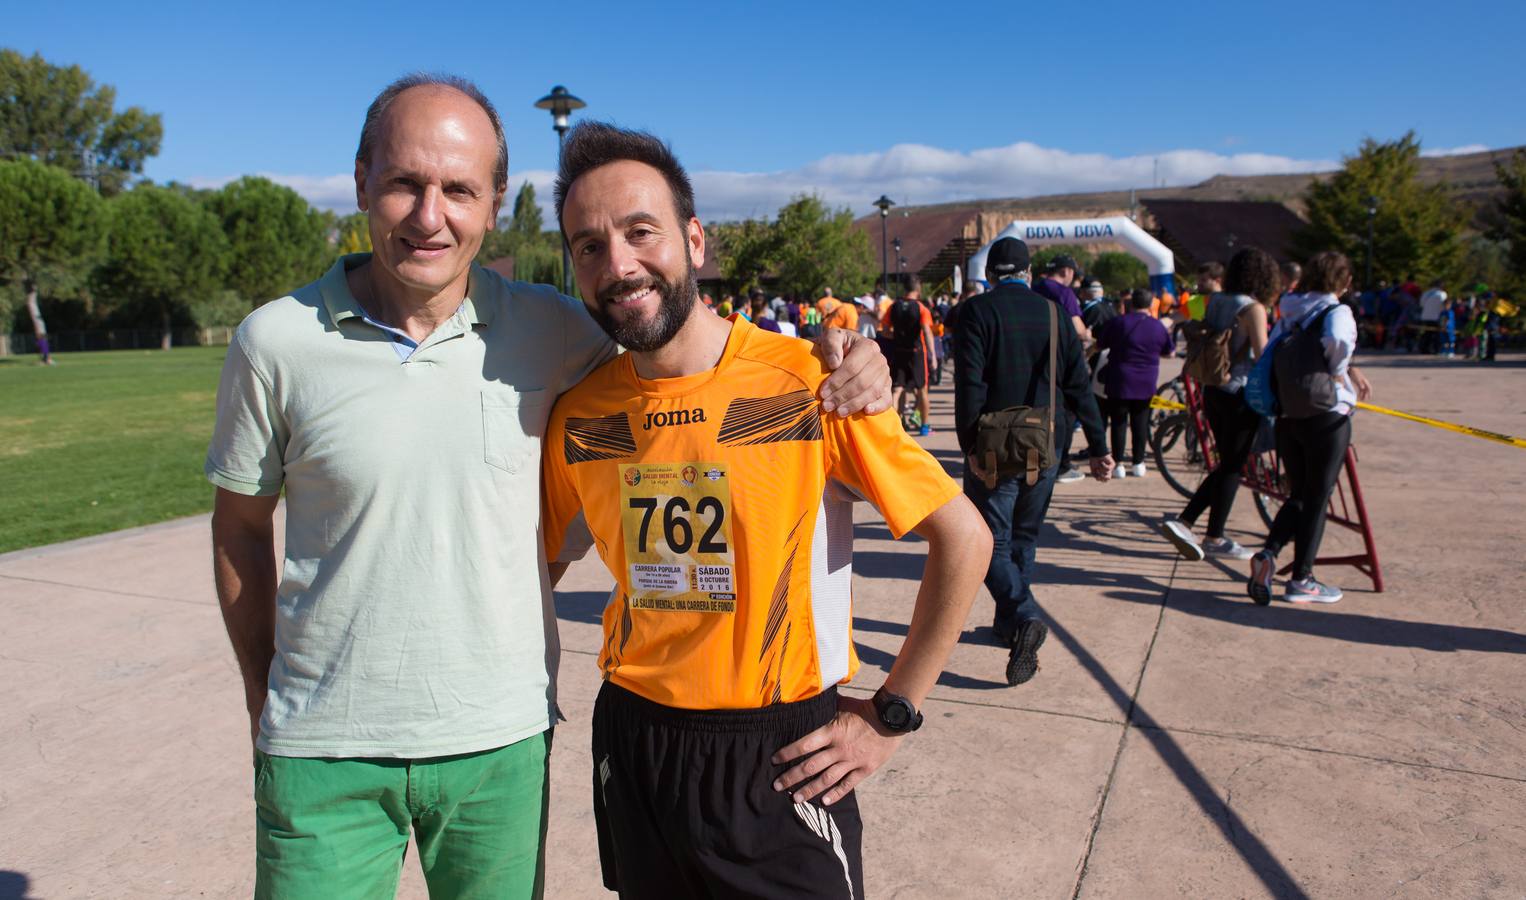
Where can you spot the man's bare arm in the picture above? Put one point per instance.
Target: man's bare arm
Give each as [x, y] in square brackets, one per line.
[1082, 332]
[244, 566]
[852, 746]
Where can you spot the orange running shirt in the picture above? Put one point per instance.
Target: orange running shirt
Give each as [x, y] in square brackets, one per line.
[844, 316]
[710, 498]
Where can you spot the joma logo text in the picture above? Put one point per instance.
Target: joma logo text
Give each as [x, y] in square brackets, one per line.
[677, 417]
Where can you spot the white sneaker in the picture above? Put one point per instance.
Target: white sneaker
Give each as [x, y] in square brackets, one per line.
[1226, 548]
[1177, 532]
[1120, 471]
[1137, 470]
[1070, 475]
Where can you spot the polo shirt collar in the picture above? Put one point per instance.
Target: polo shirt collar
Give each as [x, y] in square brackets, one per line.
[341, 304]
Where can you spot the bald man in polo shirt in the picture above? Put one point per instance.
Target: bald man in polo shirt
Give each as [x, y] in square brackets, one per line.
[399, 668]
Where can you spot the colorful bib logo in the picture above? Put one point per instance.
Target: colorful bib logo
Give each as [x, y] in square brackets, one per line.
[689, 475]
[633, 476]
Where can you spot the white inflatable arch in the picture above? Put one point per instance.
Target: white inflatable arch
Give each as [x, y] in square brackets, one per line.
[1119, 230]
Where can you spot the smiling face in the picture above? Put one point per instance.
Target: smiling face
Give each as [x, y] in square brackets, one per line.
[634, 260]
[428, 189]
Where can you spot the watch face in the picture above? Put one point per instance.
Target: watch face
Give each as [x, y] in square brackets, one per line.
[896, 716]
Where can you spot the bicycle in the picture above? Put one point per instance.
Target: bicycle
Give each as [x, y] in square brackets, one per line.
[1182, 445]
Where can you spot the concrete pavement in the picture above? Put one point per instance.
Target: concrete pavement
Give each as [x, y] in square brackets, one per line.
[1178, 741]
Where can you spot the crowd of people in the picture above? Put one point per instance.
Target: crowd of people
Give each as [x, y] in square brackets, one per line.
[1468, 325]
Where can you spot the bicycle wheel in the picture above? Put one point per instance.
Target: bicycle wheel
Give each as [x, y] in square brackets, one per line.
[1174, 444]
[1172, 392]
[1266, 472]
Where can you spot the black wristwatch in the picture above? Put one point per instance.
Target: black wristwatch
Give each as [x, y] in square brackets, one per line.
[896, 712]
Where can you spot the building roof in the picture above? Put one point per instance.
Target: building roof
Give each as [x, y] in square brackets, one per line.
[503, 265]
[1200, 231]
[924, 233]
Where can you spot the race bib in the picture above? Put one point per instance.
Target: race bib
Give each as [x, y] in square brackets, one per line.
[676, 520]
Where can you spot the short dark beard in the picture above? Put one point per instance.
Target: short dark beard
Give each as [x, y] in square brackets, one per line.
[677, 304]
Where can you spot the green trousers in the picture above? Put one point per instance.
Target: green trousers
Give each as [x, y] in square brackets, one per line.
[331, 829]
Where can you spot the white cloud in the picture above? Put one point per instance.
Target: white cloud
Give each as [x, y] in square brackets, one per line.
[908, 173]
[1455, 151]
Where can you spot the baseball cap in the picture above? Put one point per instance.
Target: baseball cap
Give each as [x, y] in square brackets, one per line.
[1091, 283]
[1007, 256]
[1064, 261]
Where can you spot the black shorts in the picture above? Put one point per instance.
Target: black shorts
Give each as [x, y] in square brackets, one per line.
[685, 806]
[908, 369]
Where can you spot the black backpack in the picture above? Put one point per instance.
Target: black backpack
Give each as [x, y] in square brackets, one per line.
[1300, 371]
[906, 320]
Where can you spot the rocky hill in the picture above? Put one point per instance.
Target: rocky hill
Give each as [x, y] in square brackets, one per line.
[1470, 175]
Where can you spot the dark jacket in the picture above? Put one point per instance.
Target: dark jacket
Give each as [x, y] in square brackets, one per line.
[1001, 359]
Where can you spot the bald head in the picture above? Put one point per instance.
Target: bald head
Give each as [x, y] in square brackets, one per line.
[434, 92]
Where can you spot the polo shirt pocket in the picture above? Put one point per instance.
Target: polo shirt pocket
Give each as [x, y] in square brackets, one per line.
[512, 422]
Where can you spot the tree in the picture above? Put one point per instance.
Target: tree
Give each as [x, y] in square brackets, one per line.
[1511, 214]
[276, 241]
[57, 115]
[1417, 229]
[49, 226]
[527, 218]
[165, 254]
[537, 253]
[1119, 272]
[743, 251]
[815, 248]
[354, 233]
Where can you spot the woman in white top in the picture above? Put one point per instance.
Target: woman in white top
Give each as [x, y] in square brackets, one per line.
[1318, 389]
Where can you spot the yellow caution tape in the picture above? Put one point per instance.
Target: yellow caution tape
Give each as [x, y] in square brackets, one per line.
[1162, 403]
[1448, 426]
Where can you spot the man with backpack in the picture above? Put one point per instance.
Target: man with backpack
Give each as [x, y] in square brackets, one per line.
[912, 350]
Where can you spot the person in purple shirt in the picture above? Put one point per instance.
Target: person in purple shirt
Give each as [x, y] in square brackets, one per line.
[758, 313]
[1056, 286]
[1136, 341]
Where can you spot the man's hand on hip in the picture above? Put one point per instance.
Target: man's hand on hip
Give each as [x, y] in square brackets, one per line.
[838, 755]
[860, 380]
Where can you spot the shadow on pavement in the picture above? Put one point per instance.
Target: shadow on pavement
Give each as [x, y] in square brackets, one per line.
[14, 886]
[1382, 361]
[1326, 623]
[1278, 881]
[581, 606]
[869, 656]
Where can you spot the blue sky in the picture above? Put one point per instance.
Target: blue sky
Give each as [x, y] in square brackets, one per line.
[765, 100]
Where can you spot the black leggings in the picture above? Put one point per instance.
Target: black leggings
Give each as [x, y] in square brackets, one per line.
[1234, 434]
[1312, 451]
[1125, 416]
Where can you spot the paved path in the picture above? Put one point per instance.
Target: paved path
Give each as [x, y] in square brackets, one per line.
[1178, 741]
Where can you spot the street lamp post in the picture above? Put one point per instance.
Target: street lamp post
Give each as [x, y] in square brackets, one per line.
[1372, 213]
[884, 204]
[561, 104]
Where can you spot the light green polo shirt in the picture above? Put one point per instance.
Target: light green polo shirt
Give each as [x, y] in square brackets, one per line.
[413, 616]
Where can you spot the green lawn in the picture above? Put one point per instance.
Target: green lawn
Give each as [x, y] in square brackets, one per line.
[103, 441]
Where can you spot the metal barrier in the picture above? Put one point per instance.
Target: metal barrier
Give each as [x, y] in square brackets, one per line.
[1347, 508]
